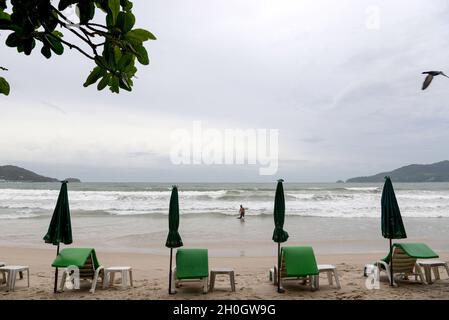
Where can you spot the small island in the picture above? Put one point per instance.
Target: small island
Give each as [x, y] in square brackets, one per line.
[17, 174]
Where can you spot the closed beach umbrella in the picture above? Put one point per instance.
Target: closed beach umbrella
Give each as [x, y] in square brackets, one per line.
[173, 239]
[60, 229]
[391, 220]
[279, 234]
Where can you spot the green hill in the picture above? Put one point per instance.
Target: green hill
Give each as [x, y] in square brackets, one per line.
[436, 172]
[13, 173]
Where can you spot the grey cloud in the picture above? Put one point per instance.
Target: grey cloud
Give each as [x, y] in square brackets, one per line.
[347, 100]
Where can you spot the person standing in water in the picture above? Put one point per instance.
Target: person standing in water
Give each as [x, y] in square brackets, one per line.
[242, 212]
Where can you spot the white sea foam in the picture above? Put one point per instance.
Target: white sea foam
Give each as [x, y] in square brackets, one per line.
[330, 200]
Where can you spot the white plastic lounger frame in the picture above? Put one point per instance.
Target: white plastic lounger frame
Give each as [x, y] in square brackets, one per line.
[177, 282]
[87, 272]
[403, 265]
[309, 280]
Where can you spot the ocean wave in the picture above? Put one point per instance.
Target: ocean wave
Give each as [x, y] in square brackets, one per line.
[307, 201]
[364, 189]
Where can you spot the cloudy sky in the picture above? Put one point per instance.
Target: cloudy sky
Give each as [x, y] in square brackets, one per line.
[340, 81]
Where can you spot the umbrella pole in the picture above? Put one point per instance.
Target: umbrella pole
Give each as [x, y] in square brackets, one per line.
[280, 290]
[56, 273]
[391, 263]
[170, 272]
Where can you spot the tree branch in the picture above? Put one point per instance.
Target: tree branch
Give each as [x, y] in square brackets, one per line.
[72, 46]
[97, 25]
[69, 25]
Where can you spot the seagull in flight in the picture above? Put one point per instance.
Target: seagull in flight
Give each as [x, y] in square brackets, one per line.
[429, 78]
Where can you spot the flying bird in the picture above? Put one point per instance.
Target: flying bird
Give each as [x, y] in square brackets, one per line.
[429, 78]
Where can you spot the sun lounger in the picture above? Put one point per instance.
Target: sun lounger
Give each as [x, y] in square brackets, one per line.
[298, 263]
[85, 260]
[191, 265]
[404, 260]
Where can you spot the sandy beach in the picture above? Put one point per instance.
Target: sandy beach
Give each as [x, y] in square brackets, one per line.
[127, 225]
[151, 279]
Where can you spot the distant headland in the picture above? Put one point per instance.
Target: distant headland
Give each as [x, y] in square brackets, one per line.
[18, 174]
[436, 172]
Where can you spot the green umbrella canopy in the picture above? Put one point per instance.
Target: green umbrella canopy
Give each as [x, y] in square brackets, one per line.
[392, 225]
[60, 229]
[279, 234]
[173, 239]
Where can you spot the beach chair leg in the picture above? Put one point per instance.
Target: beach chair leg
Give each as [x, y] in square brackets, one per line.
[63, 279]
[174, 281]
[8, 280]
[428, 274]
[390, 276]
[124, 278]
[13, 280]
[131, 278]
[212, 282]
[232, 279]
[205, 285]
[337, 281]
[28, 277]
[94, 285]
[312, 282]
[329, 278]
[275, 275]
[447, 269]
[95, 280]
[419, 271]
[3, 277]
[105, 279]
[436, 273]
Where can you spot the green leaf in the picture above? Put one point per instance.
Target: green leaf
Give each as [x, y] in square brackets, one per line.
[46, 52]
[104, 82]
[117, 55]
[142, 55]
[63, 4]
[140, 35]
[125, 61]
[101, 62]
[28, 46]
[54, 43]
[57, 33]
[125, 21]
[124, 83]
[114, 84]
[126, 5]
[87, 11]
[12, 40]
[93, 77]
[114, 6]
[4, 86]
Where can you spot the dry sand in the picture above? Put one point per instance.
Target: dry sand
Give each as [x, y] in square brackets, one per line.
[151, 279]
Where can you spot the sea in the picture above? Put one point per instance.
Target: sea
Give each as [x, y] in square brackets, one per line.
[335, 217]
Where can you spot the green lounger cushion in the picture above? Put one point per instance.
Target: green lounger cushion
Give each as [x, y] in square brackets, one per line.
[415, 250]
[192, 263]
[299, 261]
[75, 257]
